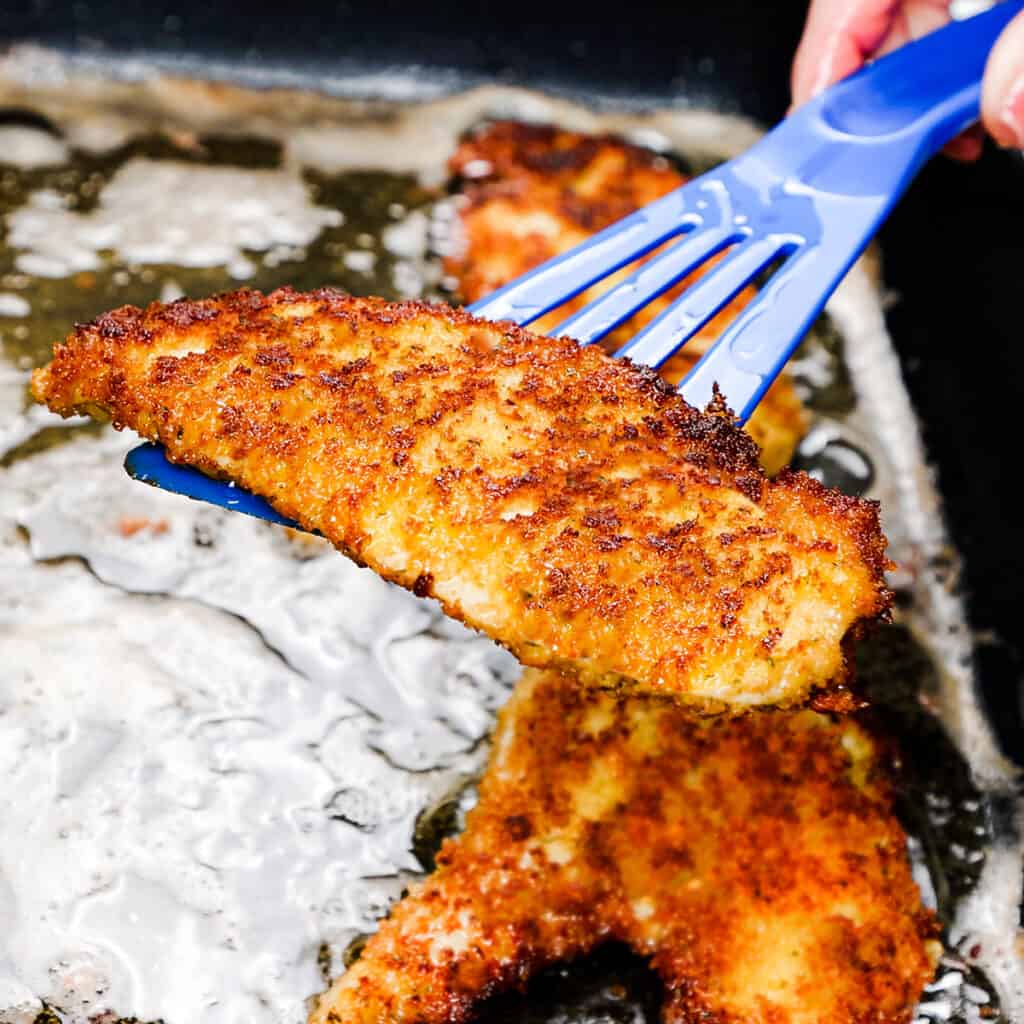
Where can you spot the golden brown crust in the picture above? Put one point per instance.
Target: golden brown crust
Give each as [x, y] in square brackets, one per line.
[755, 860]
[530, 192]
[543, 190]
[570, 505]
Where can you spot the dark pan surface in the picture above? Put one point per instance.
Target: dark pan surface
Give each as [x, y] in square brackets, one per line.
[730, 53]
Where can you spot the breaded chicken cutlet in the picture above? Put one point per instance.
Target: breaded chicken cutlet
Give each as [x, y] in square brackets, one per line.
[530, 192]
[571, 506]
[755, 860]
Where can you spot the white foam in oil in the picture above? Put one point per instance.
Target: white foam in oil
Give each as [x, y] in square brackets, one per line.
[169, 212]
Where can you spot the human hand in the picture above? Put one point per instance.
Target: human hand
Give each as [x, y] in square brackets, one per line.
[842, 35]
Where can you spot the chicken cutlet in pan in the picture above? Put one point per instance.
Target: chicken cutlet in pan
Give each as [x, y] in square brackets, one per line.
[755, 860]
[530, 192]
[570, 505]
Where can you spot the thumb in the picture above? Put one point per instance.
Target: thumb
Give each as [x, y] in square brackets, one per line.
[1002, 92]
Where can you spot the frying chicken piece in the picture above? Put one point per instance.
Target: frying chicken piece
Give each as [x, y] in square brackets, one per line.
[755, 860]
[572, 506]
[534, 191]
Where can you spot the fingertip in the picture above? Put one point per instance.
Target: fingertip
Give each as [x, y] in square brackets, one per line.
[967, 147]
[1002, 92]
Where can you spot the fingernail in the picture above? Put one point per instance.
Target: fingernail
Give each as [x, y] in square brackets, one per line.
[1009, 128]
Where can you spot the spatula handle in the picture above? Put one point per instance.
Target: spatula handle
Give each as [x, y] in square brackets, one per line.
[931, 87]
[829, 175]
[866, 136]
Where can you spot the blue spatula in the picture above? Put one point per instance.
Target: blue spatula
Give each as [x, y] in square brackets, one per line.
[802, 203]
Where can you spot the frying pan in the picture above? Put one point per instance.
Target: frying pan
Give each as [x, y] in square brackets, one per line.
[953, 250]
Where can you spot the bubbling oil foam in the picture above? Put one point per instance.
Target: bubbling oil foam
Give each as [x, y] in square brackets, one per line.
[167, 212]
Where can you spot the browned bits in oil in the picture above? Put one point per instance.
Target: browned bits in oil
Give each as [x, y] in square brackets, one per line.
[129, 526]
